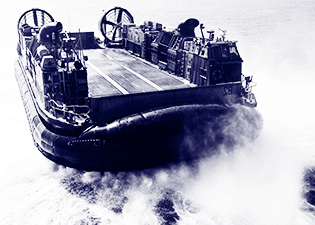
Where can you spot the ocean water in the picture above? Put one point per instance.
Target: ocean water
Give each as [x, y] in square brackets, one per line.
[262, 183]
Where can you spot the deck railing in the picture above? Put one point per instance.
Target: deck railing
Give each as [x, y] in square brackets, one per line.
[72, 113]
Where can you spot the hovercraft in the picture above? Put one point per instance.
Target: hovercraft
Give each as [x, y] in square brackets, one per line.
[142, 97]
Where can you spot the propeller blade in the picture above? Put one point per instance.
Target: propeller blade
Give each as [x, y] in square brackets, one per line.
[114, 34]
[110, 23]
[35, 17]
[119, 17]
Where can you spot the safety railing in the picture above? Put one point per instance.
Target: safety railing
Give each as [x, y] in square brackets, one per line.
[72, 113]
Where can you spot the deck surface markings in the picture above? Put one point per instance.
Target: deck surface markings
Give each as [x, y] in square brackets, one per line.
[108, 78]
[117, 72]
[157, 87]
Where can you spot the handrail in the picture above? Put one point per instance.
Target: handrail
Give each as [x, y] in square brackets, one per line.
[65, 108]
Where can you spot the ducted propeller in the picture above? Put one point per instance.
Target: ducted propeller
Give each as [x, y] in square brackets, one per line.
[34, 18]
[111, 24]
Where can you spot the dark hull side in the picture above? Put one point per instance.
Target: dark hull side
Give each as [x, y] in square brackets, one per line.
[146, 139]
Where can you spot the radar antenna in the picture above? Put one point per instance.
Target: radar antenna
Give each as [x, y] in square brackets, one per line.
[223, 34]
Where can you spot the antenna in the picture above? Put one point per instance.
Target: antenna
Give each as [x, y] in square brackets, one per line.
[81, 51]
[201, 29]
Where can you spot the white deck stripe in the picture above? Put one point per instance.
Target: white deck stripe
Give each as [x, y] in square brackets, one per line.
[110, 80]
[157, 87]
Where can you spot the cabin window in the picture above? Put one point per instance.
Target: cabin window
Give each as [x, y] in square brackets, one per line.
[224, 50]
[233, 51]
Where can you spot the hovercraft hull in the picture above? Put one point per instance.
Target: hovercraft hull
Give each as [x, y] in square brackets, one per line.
[147, 139]
[158, 97]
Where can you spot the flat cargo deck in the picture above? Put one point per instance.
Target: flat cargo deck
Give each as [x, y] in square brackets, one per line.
[113, 72]
[121, 84]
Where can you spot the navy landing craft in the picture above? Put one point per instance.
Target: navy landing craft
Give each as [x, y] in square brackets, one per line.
[142, 97]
